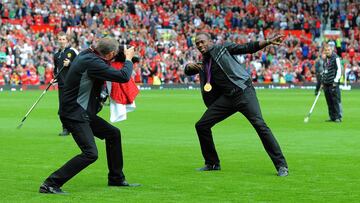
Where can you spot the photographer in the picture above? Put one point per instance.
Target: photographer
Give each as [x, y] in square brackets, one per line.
[81, 101]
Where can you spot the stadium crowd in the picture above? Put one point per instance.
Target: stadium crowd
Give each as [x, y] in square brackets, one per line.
[163, 34]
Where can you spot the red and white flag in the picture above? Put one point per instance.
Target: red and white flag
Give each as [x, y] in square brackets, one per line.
[122, 97]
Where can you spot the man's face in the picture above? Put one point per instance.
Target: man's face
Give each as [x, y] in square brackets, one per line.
[323, 56]
[327, 51]
[202, 43]
[62, 41]
[111, 55]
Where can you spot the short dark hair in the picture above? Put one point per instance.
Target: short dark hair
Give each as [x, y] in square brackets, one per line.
[63, 34]
[106, 45]
[203, 33]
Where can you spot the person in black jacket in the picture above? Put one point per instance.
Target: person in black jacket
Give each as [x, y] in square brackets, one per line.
[81, 103]
[62, 62]
[330, 81]
[227, 88]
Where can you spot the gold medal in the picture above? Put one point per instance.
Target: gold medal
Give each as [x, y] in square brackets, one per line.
[207, 87]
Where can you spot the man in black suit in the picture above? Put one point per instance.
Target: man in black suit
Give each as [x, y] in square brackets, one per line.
[226, 89]
[81, 103]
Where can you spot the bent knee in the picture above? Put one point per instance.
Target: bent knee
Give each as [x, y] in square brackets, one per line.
[116, 134]
[113, 136]
[198, 125]
[201, 126]
[91, 156]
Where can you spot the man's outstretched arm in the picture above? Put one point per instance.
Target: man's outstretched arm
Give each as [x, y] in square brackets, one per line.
[252, 47]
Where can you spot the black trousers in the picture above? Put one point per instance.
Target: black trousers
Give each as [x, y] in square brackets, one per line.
[83, 134]
[318, 82]
[333, 100]
[245, 102]
[60, 96]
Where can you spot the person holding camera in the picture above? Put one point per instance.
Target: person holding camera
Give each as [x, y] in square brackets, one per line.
[81, 103]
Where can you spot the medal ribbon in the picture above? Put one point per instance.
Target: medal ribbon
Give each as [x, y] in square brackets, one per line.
[208, 73]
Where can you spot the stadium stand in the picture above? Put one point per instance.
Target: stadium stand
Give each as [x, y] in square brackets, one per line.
[163, 34]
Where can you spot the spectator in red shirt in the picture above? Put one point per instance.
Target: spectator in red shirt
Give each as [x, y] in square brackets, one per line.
[2, 79]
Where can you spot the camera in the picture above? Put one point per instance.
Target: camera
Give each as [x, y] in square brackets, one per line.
[120, 57]
[104, 94]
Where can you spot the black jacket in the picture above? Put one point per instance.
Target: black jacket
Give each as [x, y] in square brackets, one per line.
[332, 70]
[223, 55]
[83, 85]
[67, 53]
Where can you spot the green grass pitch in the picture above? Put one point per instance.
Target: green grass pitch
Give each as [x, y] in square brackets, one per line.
[161, 151]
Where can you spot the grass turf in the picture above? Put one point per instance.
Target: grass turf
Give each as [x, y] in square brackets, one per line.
[161, 151]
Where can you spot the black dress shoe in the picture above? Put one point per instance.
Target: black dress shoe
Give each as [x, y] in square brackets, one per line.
[210, 167]
[123, 183]
[283, 171]
[50, 189]
[338, 120]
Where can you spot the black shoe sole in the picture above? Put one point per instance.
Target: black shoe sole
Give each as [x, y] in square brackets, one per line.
[51, 190]
[41, 190]
[44, 191]
[202, 169]
[129, 185]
